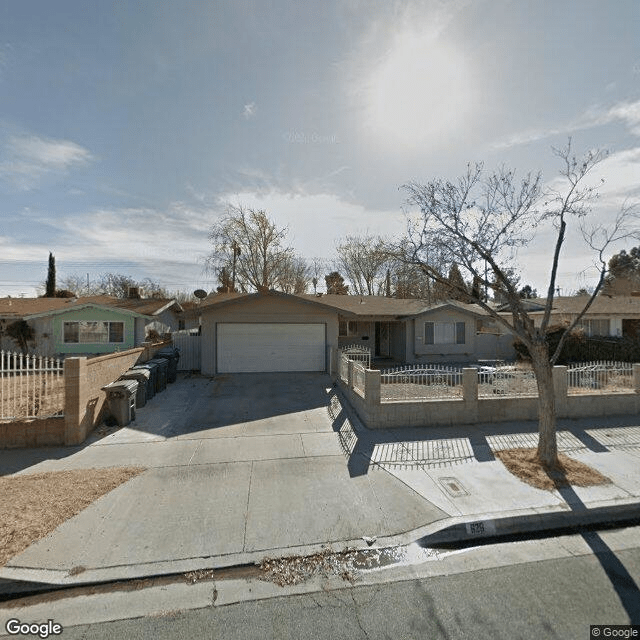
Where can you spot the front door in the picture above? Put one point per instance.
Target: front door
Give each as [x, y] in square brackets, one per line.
[382, 340]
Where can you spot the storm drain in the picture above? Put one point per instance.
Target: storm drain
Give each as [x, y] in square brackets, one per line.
[453, 486]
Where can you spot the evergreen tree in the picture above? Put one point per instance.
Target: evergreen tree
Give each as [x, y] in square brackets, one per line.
[50, 288]
[456, 289]
[335, 284]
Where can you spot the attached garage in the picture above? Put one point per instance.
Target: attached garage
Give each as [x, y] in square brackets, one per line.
[270, 347]
[266, 332]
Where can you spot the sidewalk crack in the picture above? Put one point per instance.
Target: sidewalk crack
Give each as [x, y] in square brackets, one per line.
[246, 510]
[194, 452]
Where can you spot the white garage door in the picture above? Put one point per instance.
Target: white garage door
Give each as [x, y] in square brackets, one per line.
[270, 347]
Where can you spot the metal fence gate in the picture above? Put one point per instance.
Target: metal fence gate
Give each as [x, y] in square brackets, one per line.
[189, 344]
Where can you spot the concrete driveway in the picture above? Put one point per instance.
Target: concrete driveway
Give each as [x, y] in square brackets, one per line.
[238, 467]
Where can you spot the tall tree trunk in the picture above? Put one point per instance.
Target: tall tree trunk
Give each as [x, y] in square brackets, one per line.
[547, 441]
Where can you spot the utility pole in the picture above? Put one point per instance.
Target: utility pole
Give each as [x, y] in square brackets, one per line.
[236, 253]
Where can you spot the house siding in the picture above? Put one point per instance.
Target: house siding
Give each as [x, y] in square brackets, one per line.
[93, 314]
[444, 352]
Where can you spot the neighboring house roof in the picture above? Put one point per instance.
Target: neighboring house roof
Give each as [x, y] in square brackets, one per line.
[572, 305]
[145, 306]
[38, 307]
[21, 307]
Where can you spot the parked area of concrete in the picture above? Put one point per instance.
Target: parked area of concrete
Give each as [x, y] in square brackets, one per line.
[247, 466]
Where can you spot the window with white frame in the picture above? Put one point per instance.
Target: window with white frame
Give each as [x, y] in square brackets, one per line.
[93, 332]
[444, 333]
[594, 327]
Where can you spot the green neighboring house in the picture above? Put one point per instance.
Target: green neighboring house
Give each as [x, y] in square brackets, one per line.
[86, 326]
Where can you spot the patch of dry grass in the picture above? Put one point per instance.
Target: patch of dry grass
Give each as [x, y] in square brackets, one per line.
[524, 464]
[33, 505]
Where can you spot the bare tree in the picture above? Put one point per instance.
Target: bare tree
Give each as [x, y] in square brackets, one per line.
[249, 246]
[364, 260]
[482, 219]
[112, 284]
[295, 276]
[410, 280]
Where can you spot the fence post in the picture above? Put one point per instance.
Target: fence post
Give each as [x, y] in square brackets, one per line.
[470, 385]
[332, 360]
[350, 365]
[372, 380]
[636, 377]
[470, 393]
[75, 400]
[560, 387]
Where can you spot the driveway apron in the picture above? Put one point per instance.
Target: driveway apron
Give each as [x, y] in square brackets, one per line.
[238, 464]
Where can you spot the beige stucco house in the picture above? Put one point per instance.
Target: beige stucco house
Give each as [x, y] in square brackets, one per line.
[272, 331]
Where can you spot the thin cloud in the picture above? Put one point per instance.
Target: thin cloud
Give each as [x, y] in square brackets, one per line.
[627, 112]
[249, 111]
[26, 160]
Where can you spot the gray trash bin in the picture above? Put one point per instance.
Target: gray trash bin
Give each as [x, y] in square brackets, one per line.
[162, 365]
[172, 354]
[121, 396]
[153, 377]
[143, 377]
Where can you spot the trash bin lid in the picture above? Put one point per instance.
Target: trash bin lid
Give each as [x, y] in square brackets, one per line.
[159, 361]
[136, 374]
[128, 386]
[169, 352]
[149, 365]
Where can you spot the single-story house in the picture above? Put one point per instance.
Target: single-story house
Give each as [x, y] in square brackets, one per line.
[617, 316]
[167, 314]
[81, 326]
[272, 331]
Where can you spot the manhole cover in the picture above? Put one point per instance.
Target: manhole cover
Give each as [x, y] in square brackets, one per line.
[453, 486]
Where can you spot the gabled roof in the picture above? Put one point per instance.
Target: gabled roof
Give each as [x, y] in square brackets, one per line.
[370, 305]
[220, 299]
[145, 306]
[20, 307]
[38, 307]
[347, 305]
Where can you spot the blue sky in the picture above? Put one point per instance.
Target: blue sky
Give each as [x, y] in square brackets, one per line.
[126, 127]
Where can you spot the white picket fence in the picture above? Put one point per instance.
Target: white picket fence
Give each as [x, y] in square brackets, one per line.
[30, 386]
[190, 349]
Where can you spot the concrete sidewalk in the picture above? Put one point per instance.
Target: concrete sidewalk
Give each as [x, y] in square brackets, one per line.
[234, 485]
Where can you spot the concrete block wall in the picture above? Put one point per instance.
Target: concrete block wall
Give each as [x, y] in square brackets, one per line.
[471, 410]
[36, 432]
[84, 379]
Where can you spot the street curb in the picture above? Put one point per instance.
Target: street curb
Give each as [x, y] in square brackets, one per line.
[509, 523]
[480, 528]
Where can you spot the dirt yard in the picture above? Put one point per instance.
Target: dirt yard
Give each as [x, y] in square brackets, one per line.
[31, 396]
[524, 464]
[32, 506]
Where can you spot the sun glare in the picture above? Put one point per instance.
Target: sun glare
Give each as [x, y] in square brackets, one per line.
[420, 93]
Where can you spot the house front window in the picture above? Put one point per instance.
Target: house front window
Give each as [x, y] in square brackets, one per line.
[444, 333]
[93, 332]
[347, 328]
[594, 327]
